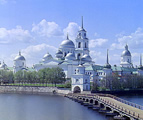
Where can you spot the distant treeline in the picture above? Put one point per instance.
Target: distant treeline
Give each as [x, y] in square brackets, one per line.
[116, 82]
[44, 76]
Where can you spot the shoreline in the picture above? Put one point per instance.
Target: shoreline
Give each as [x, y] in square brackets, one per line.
[33, 90]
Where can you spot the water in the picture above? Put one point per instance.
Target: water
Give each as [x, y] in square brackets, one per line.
[44, 107]
[135, 98]
[49, 107]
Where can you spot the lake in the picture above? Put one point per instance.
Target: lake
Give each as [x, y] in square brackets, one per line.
[48, 107]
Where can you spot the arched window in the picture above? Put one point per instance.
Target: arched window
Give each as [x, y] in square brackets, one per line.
[78, 56]
[85, 45]
[79, 44]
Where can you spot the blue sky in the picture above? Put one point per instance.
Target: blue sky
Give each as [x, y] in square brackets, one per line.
[38, 26]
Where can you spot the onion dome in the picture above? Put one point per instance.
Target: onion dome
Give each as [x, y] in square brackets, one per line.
[67, 43]
[59, 54]
[19, 57]
[86, 57]
[126, 52]
[70, 56]
[47, 56]
[3, 65]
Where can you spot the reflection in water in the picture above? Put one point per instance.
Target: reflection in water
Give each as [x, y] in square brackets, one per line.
[44, 107]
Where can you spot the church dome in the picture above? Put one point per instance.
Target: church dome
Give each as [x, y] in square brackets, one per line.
[67, 44]
[19, 57]
[70, 56]
[3, 65]
[59, 54]
[126, 52]
[86, 58]
[47, 56]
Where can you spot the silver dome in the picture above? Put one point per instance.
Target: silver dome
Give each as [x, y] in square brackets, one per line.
[3, 65]
[86, 58]
[126, 52]
[70, 56]
[67, 43]
[47, 56]
[59, 54]
[19, 57]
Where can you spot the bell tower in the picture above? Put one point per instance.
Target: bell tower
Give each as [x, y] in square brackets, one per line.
[81, 43]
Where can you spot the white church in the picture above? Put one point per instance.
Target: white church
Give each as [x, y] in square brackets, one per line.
[77, 64]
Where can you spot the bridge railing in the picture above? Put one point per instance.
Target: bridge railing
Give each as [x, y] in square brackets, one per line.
[108, 103]
[119, 99]
[120, 108]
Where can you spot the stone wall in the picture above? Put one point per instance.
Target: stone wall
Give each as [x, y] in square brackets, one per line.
[32, 89]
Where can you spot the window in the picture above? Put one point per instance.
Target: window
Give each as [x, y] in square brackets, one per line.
[86, 81]
[85, 34]
[79, 44]
[77, 80]
[78, 56]
[85, 45]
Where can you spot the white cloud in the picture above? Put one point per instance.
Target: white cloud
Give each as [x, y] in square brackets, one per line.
[14, 35]
[97, 42]
[97, 56]
[134, 40]
[72, 30]
[47, 29]
[34, 53]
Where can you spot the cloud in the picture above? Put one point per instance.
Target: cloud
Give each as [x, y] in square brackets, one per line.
[47, 29]
[134, 40]
[97, 42]
[97, 57]
[34, 53]
[14, 35]
[72, 30]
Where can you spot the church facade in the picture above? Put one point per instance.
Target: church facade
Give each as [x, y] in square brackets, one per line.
[77, 64]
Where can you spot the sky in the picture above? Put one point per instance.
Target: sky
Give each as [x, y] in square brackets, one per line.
[36, 27]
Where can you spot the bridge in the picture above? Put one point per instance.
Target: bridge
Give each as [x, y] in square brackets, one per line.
[110, 105]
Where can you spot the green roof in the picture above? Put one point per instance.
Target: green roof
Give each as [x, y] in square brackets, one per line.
[94, 67]
[123, 69]
[10, 68]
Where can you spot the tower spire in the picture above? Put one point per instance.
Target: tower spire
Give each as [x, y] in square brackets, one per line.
[140, 59]
[107, 65]
[107, 58]
[19, 53]
[82, 22]
[67, 36]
